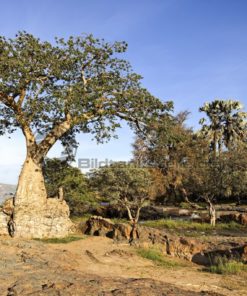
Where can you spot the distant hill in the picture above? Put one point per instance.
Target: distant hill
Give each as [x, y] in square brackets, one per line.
[6, 190]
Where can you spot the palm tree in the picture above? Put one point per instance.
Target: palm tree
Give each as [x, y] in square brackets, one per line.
[227, 124]
[234, 124]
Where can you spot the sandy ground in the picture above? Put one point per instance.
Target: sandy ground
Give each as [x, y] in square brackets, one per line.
[110, 259]
[24, 265]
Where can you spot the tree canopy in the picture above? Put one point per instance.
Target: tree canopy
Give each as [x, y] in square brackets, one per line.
[226, 125]
[76, 85]
[124, 184]
[209, 163]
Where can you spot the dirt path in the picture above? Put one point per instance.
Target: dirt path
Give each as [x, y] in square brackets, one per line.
[97, 266]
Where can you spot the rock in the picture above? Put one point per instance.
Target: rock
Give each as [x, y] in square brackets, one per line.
[227, 218]
[211, 257]
[234, 217]
[8, 206]
[242, 218]
[185, 248]
[174, 246]
[74, 284]
[99, 226]
[30, 267]
[3, 223]
[48, 220]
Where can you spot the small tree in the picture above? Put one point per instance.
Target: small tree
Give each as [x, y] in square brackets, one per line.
[128, 186]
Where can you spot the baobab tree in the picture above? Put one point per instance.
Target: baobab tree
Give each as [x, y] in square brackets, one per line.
[59, 90]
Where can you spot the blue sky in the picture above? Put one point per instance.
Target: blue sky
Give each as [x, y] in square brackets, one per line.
[188, 51]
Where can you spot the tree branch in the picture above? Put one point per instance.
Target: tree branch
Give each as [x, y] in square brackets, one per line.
[10, 103]
[57, 132]
[21, 98]
[129, 212]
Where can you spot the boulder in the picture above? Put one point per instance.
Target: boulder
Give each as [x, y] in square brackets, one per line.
[48, 220]
[8, 206]
[99, 226]
[3, 224]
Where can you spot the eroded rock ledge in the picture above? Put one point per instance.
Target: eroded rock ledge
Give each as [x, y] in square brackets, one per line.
[194, 250]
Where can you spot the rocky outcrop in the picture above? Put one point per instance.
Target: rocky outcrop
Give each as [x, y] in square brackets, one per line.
[30, 267]
[99, 226]
[5, 216]
[8, 207]
[3, 224]
[240, 218]
[171, 245]
[50, 219]
[185, 248]
[74, 284]
[229, 253]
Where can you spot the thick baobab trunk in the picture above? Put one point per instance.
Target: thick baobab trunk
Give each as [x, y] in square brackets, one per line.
[31, 186]
[35, 215]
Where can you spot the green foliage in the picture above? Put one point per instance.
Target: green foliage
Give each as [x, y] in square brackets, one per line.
[64, 240]
[226, 266]
[77, 193]
[174, 149]
[124, 184]
[189, 225]
[121, 180]
[227, 124]
[185, 205]
[76, 85]
[158, 258]
[210, 164]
